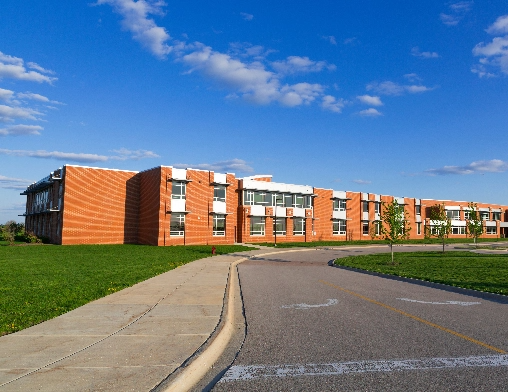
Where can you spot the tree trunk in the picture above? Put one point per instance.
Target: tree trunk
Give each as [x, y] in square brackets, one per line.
[443, 244]
[391, 250]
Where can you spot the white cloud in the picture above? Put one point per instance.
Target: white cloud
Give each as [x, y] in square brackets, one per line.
[144, 29]
[371, 112]
[330, 38]
[391, 88]
[13, 67]
[333, 104]
[492, 166]
[297, 64]
[6, 95]
[123, 154]
[9, 113]
[37, 67]
[362, 182]
[493, 55]
[426, 55]
[233, 165]
[500, 26]
[351, 41]
[370, 100]
[36, 97]
[412, 77]
[246, 16]
[14, 183]
[21, 129]
[300, 93]
[457, 11]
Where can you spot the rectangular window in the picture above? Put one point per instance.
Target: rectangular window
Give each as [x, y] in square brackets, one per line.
[298, 201]
[177, 224]
[458, 230]
[262, 198]
[277, 199]
[365, 206]
[257, 225]
[219, 193]
[178, 190]
[484, 215]
[496, 216]
[378, 227]
[339, 205]
[365, 227]
[418, 228]
[491, 230]
[418, 210]
[298, 226]
[308, 201]
[279, 226]
[219, 225]
[339, 227]
[288, 200]
[377, 207]
[467, 214]
[248, 198]
[453, 214]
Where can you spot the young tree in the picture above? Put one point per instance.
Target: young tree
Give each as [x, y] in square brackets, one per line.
[394, 223]
[441, 226]
[474, 223]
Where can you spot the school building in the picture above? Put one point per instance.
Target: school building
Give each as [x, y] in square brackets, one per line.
[168, 206]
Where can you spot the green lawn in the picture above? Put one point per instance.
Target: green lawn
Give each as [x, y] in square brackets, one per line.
[380, 242]
[484, 272]
[39, 282]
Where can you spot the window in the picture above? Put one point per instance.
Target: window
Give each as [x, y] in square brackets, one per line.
[453, 214]
[339, 227]
[365, 227]
[484, 215]
[458, 230]
[178, 190]
[467, 214]
[377, 225]
[365, 206]
[377, 207]
[277, 199]
[418, 228]
[248, 198]
[257, 225]
[491, 230]
[339, 205]
[418, 210]
[219, 225]
[177, 224]
[298, 201]
[219, 193]
[262, 198]
[279, 226]
[496, 216]
[298, 226]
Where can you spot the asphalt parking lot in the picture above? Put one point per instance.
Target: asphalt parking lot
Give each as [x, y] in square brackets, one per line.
[315, 327]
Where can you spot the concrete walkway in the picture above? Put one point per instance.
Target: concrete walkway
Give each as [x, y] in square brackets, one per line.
[128, 341]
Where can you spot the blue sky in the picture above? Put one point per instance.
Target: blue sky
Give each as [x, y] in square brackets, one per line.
[399, 98]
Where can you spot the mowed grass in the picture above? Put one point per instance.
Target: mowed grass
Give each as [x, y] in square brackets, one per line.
[484, 272]
[40, 282]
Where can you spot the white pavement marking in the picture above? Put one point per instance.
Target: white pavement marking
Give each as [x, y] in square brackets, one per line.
[247, 373]
[307, 306]
[441, 303]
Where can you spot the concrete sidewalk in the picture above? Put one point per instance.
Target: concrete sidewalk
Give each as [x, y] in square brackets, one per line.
[128, 341]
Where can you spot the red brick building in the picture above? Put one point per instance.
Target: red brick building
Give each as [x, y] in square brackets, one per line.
[168, 206]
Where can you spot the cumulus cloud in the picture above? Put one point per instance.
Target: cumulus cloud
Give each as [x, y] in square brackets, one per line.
[426, 55]
[333, 104]
[362, 182]
[234, 165]
[370, 100]
[392, 88]
[14, 68]
[493, 55]
[300, 93]
[123, 154]
[456, 12]
[6, 95]
[21, 129]
[492, 166]
[13, 183]
[10, 113]
[136, 20]
[297, 64]
[246, 16]
[371, 112]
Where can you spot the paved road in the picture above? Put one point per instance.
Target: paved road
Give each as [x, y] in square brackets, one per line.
[312, 327]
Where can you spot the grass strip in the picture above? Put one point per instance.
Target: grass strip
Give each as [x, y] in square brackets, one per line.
[436, 241]
[483, 272]
[40, 282]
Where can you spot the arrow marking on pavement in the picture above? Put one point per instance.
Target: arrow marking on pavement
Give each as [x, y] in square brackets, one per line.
[307, 306]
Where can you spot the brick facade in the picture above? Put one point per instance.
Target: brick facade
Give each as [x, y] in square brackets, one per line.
[166, 206]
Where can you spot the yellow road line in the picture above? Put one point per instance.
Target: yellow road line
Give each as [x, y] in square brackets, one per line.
[415, 318]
